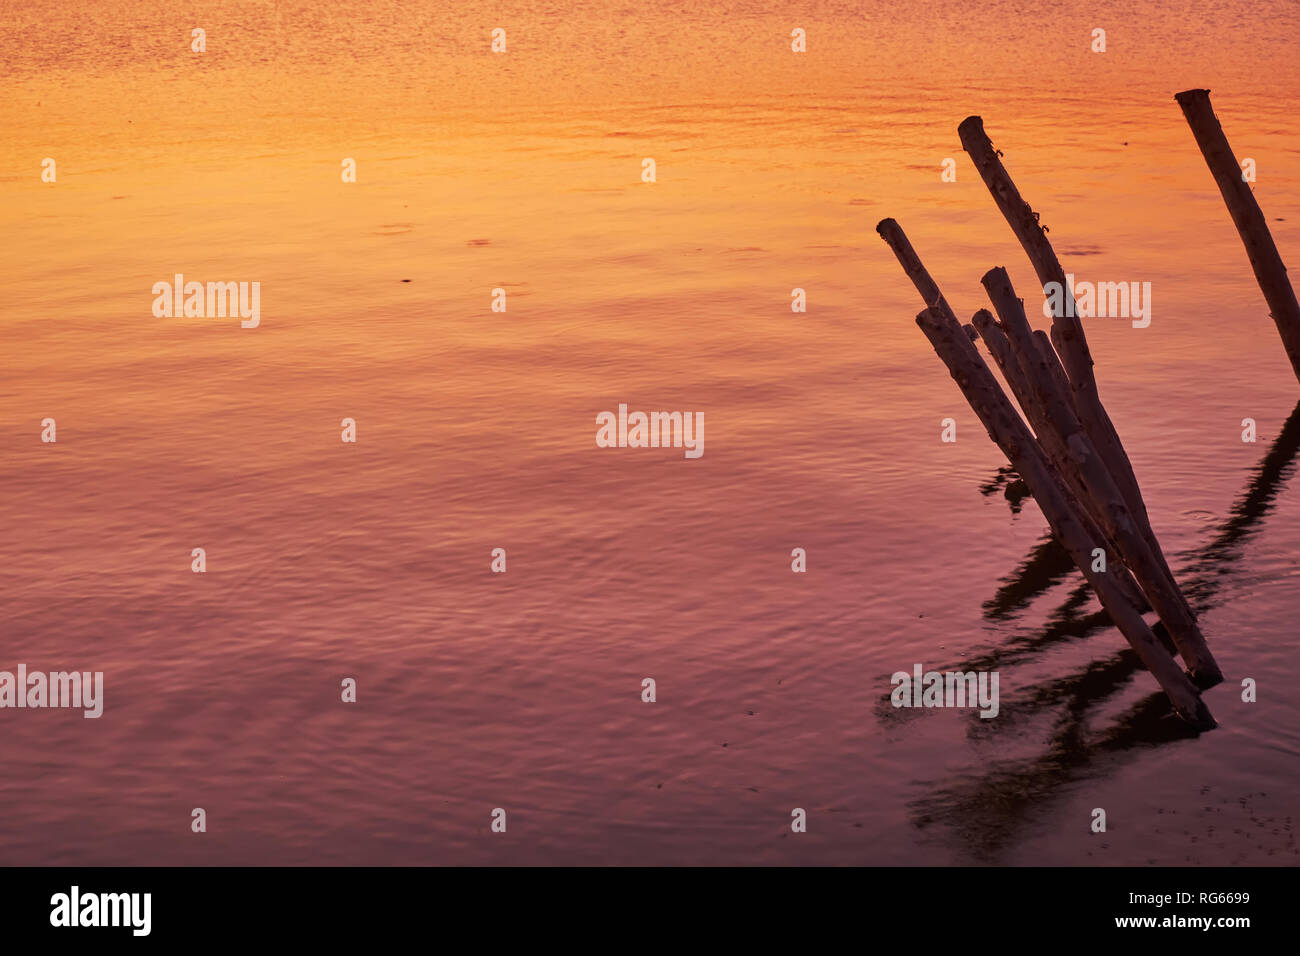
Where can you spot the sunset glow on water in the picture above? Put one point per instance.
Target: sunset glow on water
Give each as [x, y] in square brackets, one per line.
[476, 431]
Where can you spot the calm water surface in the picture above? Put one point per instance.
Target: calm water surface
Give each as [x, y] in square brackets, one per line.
[476, 431]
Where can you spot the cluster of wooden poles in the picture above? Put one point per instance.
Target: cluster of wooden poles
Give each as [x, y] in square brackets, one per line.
[1073, 461]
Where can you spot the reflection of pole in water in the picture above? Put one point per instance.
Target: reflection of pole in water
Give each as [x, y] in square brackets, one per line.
[1214, 560]
[988, 812]
[1046, 565]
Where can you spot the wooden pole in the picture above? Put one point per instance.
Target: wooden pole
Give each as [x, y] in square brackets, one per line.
[915, 270]
[931, 295]
[995, 339]
[1050, 440]
[1011, 434]
[894, 236]
[1053, 362]
[1270, 273]
[1067, 331]
[1100, 495]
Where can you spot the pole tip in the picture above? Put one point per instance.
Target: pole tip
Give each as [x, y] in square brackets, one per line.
[996, 274]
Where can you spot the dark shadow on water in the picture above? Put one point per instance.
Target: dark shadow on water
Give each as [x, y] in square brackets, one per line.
[989, 810]
[1047, 565]
[1213, 564]
[1012, 486]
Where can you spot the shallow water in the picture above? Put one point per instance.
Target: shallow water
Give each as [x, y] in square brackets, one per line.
[522, 691]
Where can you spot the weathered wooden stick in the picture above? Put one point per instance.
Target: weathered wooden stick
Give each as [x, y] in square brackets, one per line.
[1037, 412]
[1023, 451]
[1024, 223]
[1042, 367]
[1010, 433]
[1053, 444]
[1067, 331]
[931, 295]
[996, 341]
[1000, 348]
[915, 270]
[1053, 361]
[893, 234]
[1270, 273]
[1100, 496]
